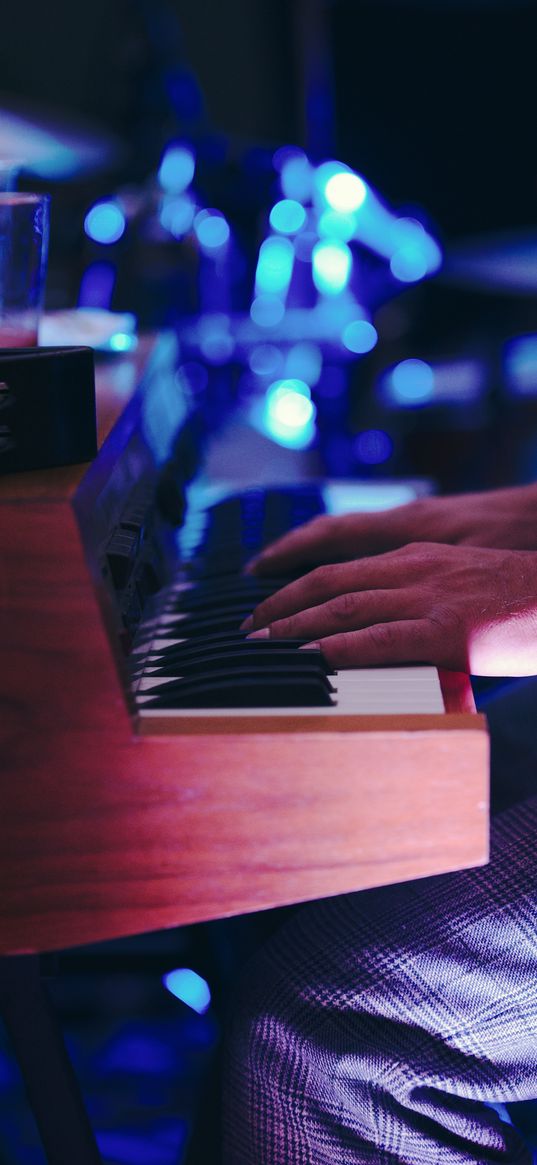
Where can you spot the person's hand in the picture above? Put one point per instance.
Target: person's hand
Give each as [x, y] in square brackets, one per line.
[505, 518]
[458, 607]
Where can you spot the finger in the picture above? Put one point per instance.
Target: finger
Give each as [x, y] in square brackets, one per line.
[405, 641]
[384, 572]
[344, 612]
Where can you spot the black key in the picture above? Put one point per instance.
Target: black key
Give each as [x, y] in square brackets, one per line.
[205, 624]
[246, 691]
[193, 648]
[231, 659]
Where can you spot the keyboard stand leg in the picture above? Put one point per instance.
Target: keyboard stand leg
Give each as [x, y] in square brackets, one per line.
[50, 1081]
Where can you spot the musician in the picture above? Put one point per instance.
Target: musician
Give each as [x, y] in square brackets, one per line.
[392, 1026]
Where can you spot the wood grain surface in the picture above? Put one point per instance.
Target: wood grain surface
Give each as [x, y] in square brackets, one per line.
[104, 833]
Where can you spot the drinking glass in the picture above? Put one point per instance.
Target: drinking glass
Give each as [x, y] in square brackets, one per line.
[24, 230]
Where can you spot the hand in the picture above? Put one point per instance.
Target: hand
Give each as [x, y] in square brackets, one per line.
[457, 607]
[504, 518]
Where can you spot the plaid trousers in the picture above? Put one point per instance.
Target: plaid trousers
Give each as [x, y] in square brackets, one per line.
[384, 1026]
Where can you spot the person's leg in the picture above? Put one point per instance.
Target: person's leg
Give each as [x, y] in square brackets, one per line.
[512, 721]
[378, 1027]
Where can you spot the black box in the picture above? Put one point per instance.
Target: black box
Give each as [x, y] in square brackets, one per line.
[47, 407]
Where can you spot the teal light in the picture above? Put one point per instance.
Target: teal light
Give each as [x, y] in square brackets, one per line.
[339, 187]
[296, 177]
[190, 988]
[287, 216]
[332, 266]
[415, 253]
[359, 336]
[105, 223]
[333, 225]
[176, 169]
[274, 266]
[345, 192]
[211, 229]
[122, 342]
[289, 414]
[409, 264]
[341, 498]
[411, 382]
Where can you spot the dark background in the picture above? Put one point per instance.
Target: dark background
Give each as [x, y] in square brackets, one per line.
[433, 101]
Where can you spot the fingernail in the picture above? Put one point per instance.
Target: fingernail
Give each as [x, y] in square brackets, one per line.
[247, 624]
[310, 647]
[264, 633]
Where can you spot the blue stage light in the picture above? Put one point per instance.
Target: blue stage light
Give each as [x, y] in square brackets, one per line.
[332, 266]
[287, 216]
[105, 222]
[520, 362]
[415, 253]
[176, 169]
[373, 447]
[359, 336]
[190, 988]
[304, 361]
[177, 214]
[274, 266]
[409, 264]
[211, 229]
[345, 192]
[459, 381]
[296, 176]
[122, 342]
[267, 311]
[410, 383]
[290, 413]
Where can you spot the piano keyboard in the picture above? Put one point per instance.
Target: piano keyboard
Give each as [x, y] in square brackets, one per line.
[191, 660]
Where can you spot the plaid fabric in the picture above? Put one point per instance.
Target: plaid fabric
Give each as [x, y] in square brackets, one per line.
[379, 1027]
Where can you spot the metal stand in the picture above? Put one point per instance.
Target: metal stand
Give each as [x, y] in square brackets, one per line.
[50, 1081]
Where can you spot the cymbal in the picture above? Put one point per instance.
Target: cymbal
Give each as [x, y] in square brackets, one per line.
[52, 143]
